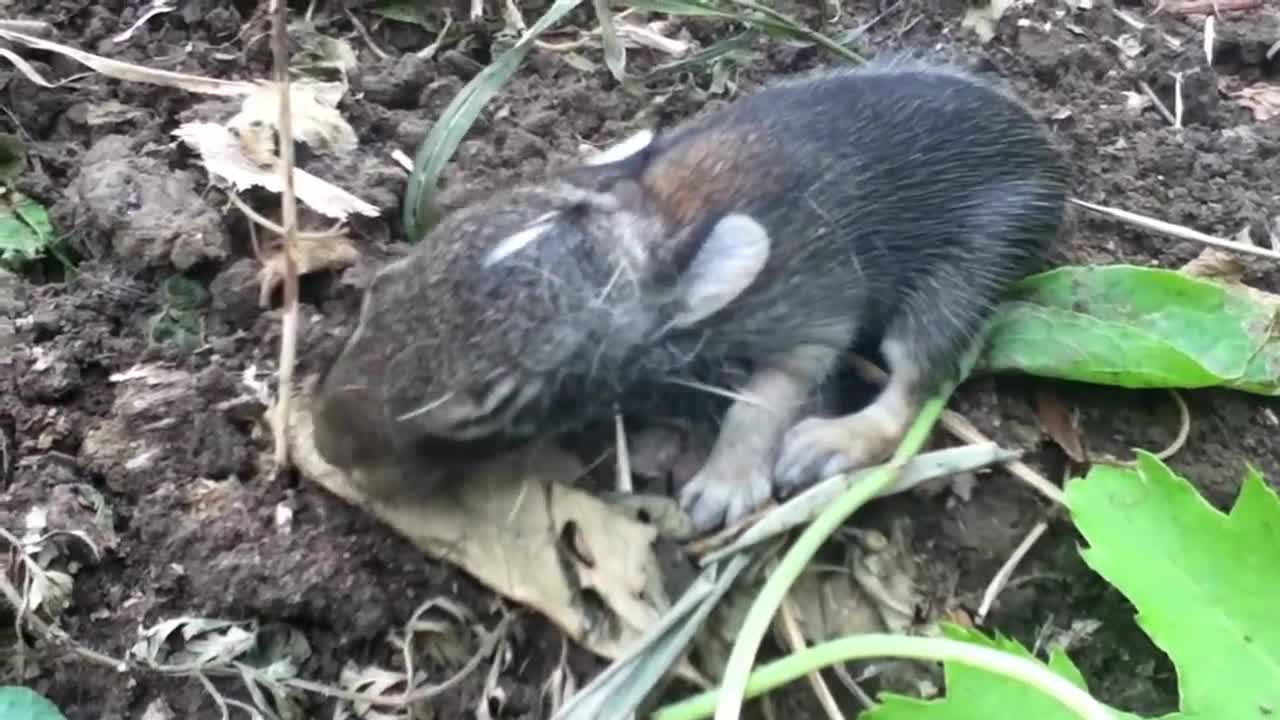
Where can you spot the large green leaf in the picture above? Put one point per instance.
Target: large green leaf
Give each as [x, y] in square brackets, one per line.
[19, 703]
[1206, 584]
[1136, 327]
[974, 694]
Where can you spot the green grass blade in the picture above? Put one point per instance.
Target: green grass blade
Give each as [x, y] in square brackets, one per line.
[739, 43]
[447, 133]
[615, 53]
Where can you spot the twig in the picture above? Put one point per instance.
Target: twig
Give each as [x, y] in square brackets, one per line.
[1184, 430]
[959, 426]
[1001, 579]
[853, 687]
[289, 218]
[256, 217]
[1211, 7]
[786, 624]
[1177, 231]
[364, 33]
[1164, 109]
[624, 455]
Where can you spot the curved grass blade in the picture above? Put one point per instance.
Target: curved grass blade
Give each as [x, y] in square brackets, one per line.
[615, 53]
[447, 132]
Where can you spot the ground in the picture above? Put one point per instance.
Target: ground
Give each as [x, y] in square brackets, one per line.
[166, 278]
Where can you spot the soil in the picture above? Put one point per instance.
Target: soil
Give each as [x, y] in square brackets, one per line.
[165, 279]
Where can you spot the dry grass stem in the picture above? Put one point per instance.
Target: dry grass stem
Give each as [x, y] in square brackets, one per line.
[1159, 104]
[1184, 431]
[789, 627]
[624, 455]
[1211, 7]
[959, 426]
[1001, 579]
[256, 217]
[364, 35]
[1176, 231]
[289, 218]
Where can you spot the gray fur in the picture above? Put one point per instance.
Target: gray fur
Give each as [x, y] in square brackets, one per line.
[900, 200]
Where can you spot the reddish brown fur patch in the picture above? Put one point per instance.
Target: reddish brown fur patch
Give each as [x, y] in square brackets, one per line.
[718, 169]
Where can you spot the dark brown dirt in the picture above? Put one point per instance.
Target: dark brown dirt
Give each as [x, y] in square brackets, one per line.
[198, 527]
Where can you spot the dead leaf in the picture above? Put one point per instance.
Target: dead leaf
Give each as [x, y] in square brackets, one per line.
[1227, 269]
[1057, 422]
[982, 20]
[502, 524]
[313, 108]
[310, 255]
[1262, 99]
[223, 155]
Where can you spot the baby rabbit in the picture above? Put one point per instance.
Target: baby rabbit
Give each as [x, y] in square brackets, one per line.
[894, 202]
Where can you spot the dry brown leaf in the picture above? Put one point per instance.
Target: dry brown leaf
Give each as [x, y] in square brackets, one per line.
[310, 255]
[313, 108]
[983, 19]
[1057, 422]
[1227, 269]
[1262, 99]
[223, 154]
[504, 523]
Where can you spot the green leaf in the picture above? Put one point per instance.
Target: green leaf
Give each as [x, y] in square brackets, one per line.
[413, 12]
[1206, 585]
[1136, 327]
[688, 8]
[973, 694]
[13, 157]
[19, 703]
[26, 232]
[447, 132]
[615, 53]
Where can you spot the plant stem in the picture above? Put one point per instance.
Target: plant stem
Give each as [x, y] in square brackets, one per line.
[859, 647]
[759, 618]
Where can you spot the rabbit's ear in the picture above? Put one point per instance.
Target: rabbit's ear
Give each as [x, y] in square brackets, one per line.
[728, 260]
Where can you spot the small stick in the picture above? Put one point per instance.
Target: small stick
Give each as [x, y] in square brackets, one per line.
[289, 219]
[1184, 430]
[1177, 231]
[1210, 7]
[1164, 110]
[787, 624]
[1001, 578]
[959, 426]
[624, 455]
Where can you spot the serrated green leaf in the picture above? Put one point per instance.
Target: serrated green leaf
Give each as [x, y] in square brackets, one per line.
[1206, 584]
[19, 703]
[1136, 327]
[973, 693]
[26, 231]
